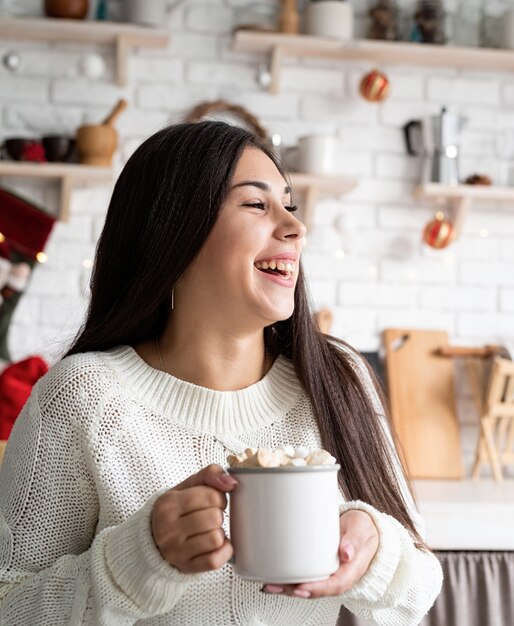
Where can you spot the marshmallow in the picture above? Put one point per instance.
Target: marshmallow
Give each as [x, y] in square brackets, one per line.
[301, 452]
[289, 450]
[318, 457]
[283, 456]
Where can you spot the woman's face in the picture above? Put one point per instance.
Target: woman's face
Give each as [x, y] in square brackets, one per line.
[246, 272]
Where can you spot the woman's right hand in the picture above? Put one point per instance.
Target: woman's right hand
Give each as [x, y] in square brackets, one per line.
[187, 521]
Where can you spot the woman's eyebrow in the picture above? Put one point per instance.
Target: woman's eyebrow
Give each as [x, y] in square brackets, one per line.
[259, 184]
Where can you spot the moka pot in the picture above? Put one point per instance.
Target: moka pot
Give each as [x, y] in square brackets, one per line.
[437, 140]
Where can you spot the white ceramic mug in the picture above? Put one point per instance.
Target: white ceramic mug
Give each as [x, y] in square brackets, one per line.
[330, 18]
[284, 523]
[318, 154]
[149, 12]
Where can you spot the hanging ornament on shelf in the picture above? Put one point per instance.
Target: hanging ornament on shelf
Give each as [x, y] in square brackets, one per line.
[374, 86]
[438, 233]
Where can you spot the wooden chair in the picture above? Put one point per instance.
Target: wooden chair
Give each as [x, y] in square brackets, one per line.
[496, 442]
[491, 376]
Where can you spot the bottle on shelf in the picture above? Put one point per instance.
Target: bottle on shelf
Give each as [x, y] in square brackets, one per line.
[428, 22]
[384, 20]
[289, 20]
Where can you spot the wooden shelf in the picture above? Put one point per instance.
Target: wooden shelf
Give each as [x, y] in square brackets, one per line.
[460, 197]
[315, 187]
[122, 36]
[485, 193]
[68, 174]
[279, 45]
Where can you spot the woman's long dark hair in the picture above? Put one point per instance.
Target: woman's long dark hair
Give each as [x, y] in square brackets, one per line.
[163, 207]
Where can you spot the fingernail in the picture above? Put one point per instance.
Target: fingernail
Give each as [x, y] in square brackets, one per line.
[300, 593]
[273, 589]
[227, 481]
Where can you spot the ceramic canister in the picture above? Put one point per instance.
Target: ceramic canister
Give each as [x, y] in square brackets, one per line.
[148, 12]
[318, 154]
[284, 523]
[330, 18]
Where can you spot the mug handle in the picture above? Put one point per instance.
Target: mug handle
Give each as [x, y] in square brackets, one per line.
[407, 131]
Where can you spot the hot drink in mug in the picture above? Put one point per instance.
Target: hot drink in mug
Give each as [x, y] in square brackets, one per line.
[284, 518]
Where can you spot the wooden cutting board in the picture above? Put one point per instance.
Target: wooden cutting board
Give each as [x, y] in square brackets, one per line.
[422, 402]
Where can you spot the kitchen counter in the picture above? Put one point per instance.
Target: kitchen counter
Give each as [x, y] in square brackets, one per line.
[467, 514]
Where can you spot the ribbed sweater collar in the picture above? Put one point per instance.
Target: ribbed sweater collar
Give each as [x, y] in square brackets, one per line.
[207, 410]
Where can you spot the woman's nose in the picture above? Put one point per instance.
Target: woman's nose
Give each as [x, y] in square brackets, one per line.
[291, 228]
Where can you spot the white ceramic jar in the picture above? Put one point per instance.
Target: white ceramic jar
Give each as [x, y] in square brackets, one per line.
[318, 154]
[284, 523]
[149, 12]
[329, 18]
[314, 154]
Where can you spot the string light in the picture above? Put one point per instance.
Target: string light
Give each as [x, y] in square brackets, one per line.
[41, 257]
[87, 263]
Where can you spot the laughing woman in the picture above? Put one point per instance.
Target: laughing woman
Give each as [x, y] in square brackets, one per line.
[112, 494]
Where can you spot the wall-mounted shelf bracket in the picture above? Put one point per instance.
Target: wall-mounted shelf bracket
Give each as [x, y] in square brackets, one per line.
[458, 198]
[121, 35]
[275, 65]
[315, 187]
[458, 208]
[67, 175]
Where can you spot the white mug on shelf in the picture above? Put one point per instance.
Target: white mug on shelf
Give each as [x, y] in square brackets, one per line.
[150, 12]
[314, 154]
[330, 18]
[318, 154]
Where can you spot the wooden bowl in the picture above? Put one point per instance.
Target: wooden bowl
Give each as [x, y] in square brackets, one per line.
[71, 9]
[96, 144]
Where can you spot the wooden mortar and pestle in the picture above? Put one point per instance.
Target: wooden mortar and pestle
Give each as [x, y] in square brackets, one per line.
[96, 143]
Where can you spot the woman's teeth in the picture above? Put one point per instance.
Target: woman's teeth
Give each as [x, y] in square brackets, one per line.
[275, 265]
[283, 269]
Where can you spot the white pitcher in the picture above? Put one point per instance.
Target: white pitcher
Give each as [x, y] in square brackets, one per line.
[150, 12]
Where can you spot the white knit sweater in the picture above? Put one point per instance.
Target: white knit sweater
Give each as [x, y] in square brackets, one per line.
[100, 437]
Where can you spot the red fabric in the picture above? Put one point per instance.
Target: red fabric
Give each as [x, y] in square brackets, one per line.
[25, 226]
[16, 382]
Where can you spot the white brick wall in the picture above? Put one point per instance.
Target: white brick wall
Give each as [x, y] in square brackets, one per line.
[366, 260]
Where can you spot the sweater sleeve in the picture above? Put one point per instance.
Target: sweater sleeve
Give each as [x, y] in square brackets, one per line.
[54, 568]
[402, 581]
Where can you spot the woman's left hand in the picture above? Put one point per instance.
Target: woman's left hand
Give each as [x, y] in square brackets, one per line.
[357, 547]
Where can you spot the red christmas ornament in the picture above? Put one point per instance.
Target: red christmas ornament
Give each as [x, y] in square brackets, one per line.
[374, 86]
[438, 233]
